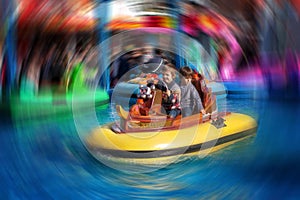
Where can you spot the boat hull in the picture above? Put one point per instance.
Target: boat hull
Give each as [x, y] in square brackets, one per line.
[158, 147]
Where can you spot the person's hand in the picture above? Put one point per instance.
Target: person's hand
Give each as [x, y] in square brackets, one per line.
[203, 111]
[168, 92]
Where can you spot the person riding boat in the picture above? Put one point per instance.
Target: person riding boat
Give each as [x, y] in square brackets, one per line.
[171, 97]
[144, 101]
[190, 100]
[205, 93]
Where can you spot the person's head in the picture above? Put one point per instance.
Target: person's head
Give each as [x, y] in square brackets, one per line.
[197, 76]
[169, 74]
[187, 74]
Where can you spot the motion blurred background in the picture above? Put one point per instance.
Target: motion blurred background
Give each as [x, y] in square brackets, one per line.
[64, 58]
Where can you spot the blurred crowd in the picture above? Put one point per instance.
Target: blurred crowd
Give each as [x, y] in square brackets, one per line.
[48, 59]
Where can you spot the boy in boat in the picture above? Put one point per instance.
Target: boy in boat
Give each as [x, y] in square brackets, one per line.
[190, 100]
[171, 97]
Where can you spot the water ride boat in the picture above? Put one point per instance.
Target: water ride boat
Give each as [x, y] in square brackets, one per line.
[145, 135]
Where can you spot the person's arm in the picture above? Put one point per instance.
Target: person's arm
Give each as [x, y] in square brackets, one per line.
[178, 92]
[198, 101]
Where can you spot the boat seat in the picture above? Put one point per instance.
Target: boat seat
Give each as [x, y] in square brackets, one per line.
[205, 93]
[210, 103]
[124, 117]
[156, 102]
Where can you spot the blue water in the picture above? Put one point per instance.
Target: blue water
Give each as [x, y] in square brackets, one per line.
[45, 159]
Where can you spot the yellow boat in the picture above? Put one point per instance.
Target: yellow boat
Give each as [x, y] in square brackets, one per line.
[151, 137]
[159, 146]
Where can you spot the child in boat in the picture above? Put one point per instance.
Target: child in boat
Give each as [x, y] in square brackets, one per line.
[171, 97]
[190, 100]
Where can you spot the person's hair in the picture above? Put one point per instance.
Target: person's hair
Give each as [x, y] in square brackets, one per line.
[186, 71]
[171, 65]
